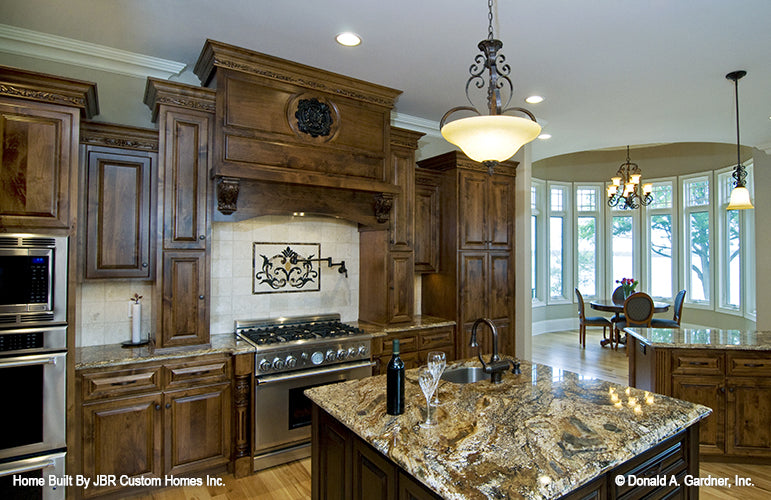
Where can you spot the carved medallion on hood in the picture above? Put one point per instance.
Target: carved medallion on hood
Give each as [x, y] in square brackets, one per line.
[313, 117]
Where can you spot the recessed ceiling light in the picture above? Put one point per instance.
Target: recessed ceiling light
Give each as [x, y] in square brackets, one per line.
[543, 137]
[534, 99]
[348, 38]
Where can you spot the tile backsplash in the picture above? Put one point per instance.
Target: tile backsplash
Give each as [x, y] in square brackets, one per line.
[103, 306]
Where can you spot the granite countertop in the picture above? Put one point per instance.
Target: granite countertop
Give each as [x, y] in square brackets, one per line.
[100, 356]
[540, 434]
[703, 338]
[418, 323]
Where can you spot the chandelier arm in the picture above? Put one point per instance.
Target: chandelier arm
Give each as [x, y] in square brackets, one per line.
[521, 110]
[453, 110]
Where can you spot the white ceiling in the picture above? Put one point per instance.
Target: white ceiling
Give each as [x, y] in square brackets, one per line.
[613, 72]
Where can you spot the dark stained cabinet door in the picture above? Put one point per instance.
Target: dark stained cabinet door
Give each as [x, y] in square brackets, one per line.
[184, 308]
[186, 144]
[122, 437]
[472, 194]
[118, 213]
[426, 222]
[39, 146]
[374, 478]
[748, 406]
[401, 291]
[500, 212]
[403, 175]
[197, 428]
[707, 390]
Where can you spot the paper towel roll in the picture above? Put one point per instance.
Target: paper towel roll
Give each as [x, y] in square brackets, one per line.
[136, 323]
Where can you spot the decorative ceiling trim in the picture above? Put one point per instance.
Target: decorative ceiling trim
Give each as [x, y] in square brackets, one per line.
[30, 43]
[428, 127]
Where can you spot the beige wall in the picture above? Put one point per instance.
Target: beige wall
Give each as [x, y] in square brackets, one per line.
[762, 200]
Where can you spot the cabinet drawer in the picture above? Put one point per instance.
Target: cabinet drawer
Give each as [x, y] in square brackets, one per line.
[115, 383]
[440, 338]
[407, 343]
[196, 373]
[449, 353]
[697, 363]
[748, 364]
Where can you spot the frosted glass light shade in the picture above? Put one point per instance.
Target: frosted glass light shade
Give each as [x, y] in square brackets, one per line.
[740, 199]
[491, 137]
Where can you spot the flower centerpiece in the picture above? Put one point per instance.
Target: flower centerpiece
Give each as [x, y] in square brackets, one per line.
[628, 285]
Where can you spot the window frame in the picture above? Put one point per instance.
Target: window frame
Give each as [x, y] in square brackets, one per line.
[567, 232]
[646, 215]
[541, 253]
[685, 259]
[598, 214]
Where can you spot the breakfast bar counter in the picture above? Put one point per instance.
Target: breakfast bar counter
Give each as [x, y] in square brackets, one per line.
[544, 433]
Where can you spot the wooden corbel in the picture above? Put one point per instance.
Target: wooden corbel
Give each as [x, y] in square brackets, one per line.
[227, 194]
[383, 204]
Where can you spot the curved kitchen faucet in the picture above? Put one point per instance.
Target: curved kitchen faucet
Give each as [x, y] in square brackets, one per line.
[496, 366]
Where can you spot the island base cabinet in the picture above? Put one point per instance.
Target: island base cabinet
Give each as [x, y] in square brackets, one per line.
[344, 466]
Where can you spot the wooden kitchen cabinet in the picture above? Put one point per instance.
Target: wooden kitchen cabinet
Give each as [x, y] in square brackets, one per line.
[426, 221]
[119, 167]
[39, 127]
[735, 383]
[476, 253]
[414, 346]
[155, 419]
[185, 116]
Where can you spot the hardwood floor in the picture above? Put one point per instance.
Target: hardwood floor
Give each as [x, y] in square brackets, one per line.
[293, 481]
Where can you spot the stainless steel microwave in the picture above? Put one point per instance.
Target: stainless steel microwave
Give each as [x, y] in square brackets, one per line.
[33, 279]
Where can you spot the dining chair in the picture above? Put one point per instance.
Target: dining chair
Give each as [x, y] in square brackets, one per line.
[638, 311]
[590, 321]
[675, 321]
[618, 299]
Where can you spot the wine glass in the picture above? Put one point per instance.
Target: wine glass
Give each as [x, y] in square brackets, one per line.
[427, 383]
[436, 363]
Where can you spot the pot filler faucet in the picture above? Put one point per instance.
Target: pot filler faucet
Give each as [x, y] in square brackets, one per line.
[496, 366]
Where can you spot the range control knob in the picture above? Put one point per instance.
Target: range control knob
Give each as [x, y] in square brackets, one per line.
[317, 358]
[330, 355]
[362, 350]
[264, 365]
[341, 354]
[351, 352]
[290, 362]
[278, 364]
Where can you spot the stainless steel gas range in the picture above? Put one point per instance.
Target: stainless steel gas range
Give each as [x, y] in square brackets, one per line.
[291, 355]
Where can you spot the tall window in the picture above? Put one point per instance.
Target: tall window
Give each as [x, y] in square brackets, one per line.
[698, 234]
[622, 244]
[660, 248]
[588, 204]
[560, 255]
[538, 241]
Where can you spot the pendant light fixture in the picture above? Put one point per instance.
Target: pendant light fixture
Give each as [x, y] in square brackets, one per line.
[494, 137]
[625, 186]
[740, 196]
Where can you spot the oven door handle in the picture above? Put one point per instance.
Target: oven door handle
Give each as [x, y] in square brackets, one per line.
[282, 377]
[46, 359]
[41, 464]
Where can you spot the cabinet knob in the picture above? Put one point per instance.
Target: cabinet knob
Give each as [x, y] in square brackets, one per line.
[168, 405]
[157, 407]
[202, 237]
[730, 389]
[722, 389]
[144, 264]
[200, 297]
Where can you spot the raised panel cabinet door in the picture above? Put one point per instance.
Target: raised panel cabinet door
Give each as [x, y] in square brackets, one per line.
[472, 194]
[410, 489]
[500, 214]
[184, 313]
[39, 147]
[426, 243]
[196, 428]
[374, 477]
[403, 175]
[118, 213]
[185, 145]
[330, 458]
[122, 437]
[748, 416]
[708, 391]
[472, 295]
[401, 292]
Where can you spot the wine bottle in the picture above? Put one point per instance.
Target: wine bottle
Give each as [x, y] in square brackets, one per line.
[395, 383]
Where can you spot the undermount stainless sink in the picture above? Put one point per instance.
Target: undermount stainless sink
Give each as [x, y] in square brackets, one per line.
[465, 375]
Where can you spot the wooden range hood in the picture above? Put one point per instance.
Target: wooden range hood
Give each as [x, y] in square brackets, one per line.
[291, 138]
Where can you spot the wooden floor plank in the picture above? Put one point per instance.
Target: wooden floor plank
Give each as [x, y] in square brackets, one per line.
[292, 481]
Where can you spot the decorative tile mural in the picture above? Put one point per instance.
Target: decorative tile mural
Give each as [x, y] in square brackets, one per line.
[286, 267]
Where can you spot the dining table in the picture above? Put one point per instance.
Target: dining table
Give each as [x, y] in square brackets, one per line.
[608, 305]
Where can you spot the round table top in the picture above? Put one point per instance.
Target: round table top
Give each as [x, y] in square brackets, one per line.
[609, 306]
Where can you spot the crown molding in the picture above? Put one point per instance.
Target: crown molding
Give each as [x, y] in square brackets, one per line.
[409, 122]
[20, 41]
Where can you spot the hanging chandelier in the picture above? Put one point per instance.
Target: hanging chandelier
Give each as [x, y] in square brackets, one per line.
[740, 195]
[494, 137]
[624, 189]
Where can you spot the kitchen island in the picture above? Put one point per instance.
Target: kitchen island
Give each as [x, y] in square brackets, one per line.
[727, 370]
[545, 433]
